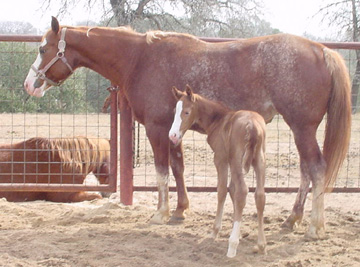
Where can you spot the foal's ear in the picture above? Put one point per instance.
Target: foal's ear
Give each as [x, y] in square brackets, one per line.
[55, 25]
[177, 93]
[190, 93]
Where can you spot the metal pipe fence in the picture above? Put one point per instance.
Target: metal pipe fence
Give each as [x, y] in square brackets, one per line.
[67, 113]
[74, 109]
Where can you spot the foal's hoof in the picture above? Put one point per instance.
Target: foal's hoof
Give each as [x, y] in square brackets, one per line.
[259, 250]
[159, 218]
[231, 251]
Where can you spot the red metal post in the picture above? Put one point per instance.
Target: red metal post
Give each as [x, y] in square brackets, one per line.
[126, 151]
[113, 138]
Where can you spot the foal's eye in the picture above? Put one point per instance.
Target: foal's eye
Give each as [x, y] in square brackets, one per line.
[41, 50]
[187, 112]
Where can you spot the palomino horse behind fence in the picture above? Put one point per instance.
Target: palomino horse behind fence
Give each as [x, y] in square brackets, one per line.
[54, 161]
[238, 141]
[300, 79]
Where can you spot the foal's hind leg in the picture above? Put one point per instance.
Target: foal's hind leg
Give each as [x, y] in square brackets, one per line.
[222, 172]
[238, 191]
[177, 166]
[259, 168]
[312, 166]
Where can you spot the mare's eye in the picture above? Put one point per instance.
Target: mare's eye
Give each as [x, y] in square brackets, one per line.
[187, 112]
[41, 50]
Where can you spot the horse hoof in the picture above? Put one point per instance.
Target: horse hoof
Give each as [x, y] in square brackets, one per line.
[176, 220]
[213, 235]
[315, 234]
[159, 218]
[232, 249]
[179, 215]
[288, 224]
[259, 249]
[231, 253]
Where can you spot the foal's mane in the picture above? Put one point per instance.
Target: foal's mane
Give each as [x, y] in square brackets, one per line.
[214, 109]
[78, 154]
[218, 105]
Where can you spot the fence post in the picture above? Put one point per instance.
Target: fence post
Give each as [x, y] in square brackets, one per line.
[126, 151]
[113, 137]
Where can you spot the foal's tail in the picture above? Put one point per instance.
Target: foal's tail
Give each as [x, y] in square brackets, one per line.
[255, 141]
[338, 125]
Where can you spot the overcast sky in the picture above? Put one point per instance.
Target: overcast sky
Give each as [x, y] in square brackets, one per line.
[291, 16]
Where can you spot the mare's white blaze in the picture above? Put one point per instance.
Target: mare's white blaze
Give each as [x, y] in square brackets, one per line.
[175, 127]
[31, 78]
[234, 240]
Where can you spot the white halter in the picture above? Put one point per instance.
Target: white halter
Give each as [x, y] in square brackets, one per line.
[60, 55]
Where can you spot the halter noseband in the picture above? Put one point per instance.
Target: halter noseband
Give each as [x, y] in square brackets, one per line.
[60, 55]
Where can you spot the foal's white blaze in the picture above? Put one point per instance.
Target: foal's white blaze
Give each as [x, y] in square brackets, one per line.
[234, 240]
[31, 78]
[174, 133]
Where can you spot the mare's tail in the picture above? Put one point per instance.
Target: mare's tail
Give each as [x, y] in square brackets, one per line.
[338, 125]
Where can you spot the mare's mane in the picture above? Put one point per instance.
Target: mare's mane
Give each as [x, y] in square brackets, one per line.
[80, 154]
[152, 36]
[104, 30]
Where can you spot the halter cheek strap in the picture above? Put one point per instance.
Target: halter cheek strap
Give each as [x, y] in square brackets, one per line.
[41, 74]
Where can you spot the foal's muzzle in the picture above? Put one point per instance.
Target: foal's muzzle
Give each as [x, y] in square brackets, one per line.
[175, 138]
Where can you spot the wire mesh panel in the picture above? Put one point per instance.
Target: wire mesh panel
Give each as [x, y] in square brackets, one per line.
[73, 110]
[282, 158]
[59, 142]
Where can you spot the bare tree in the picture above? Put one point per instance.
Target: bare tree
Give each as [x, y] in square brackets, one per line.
[344, 14]
[223, 18]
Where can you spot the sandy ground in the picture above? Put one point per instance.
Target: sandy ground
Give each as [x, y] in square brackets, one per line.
[107, 233]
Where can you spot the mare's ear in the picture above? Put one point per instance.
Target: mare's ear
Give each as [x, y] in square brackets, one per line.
[55, 25]
[190, 93]
[177, 93]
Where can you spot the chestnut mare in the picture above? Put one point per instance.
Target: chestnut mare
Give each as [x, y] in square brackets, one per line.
[53, 161]
[300, 79]
[238, 141]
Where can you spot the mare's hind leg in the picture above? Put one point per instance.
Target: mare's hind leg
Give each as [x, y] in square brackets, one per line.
[158, 137]
[259, 168]
[312, 166]
[222, 172]
[238, 192]
[177, 166]
[298, 209]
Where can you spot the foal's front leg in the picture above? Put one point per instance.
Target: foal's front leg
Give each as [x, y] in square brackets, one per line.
[222, 171]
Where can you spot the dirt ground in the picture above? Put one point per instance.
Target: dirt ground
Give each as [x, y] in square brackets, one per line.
[107, 233]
